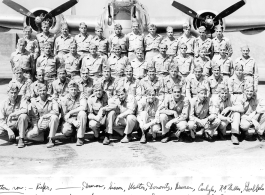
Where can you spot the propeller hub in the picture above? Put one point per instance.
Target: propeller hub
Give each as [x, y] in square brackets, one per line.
[38, 19]
[209, 22]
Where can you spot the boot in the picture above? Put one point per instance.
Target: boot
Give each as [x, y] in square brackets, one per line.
[260, 138]
[80, 142]
[51, 143]
[234, 139]
[165, 138]
[106, 140]
[143, 138]
[21, 143]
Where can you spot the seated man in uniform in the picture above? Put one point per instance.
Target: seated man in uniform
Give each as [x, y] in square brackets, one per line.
[97, 107]
[44, 113]
[83, 40]
[60, 85]
[74, 106]
[201, 117]
[148, 114]
[33, 90]
[174, 111]
[121, 116]
[13, 116]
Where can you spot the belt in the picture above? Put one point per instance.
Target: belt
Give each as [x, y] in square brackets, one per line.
[249, 75]
[227, 74]
[237, 93]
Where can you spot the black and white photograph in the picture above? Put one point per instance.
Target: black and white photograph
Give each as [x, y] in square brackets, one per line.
[112, 97]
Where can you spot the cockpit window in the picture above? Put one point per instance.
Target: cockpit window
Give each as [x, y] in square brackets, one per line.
[122, 13]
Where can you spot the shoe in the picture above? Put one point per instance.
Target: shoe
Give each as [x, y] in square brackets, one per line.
[234, 139]
[126, 139]
[21, 143]
[106, 140]
[221, 136]
[260, 138]
[80, 142]
[208, 137]
[51, 143]
[165, 138]
[143, 139]
[192, 134]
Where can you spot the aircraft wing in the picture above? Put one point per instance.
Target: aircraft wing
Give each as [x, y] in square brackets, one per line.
[163, 22]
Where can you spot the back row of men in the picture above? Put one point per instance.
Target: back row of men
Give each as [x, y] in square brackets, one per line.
[167, 83]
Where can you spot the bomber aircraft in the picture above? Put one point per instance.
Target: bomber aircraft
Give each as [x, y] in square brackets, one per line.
[233, 15]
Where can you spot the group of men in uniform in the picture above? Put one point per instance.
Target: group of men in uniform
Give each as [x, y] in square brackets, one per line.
[126, 83]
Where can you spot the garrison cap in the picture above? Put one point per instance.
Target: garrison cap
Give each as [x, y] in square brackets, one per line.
[222, 87]
[185, 25]
[150, 91]
[61, 69]
[219, 27]
[102, 47]
[118, 25]
[72, 84]
[215, 66]
[17, 69]
[12, 87]
[245, 47]
[117, 46]
[40, 70]
[83, 69]
[201, 87]
[98, 86]
[202, 28]
[99, 28]
[198, 67]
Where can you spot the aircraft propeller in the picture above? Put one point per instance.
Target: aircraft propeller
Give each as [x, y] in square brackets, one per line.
[209, 22]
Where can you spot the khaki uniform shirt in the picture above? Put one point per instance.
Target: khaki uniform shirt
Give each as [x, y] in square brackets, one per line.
[249, 106]
[108, 85]
[60, 89]
[42, 39]
[72, 62]
[116, 62]
[168, 84]
[172, 45]
[151, 42]
[103, 42]
[132, 87]
[95, 104]
[135, 41]
[199, 43]
[192, 84]
[83, 42]
[139, 68]
[250, 67]
[224, 41]
[40, 108]
[86, 87]
[199, 110]
[120, 107]
[213, 83]
[119, 39]
[206, 64]
[190, 42]
[226, 65]
[147, 84]
[6, 108]
[93, 64]
[63, 44]
[32, 46]
[23, 59]
[185, 64]
[162, 64]
[217, 105]
[236, 85]
[150, 108]
[50, 63]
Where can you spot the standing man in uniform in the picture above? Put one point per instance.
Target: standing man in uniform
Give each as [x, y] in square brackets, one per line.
[45, 37]
[74, 107]
[44, 113]
[63, 42]
[170, 41]
[135, 40]
[60, 85]
[13, 116]
[85, 83]
[221, 40]
[32, 42]
[33, 90]
[188, 39]
[203, 41]
[151, 41]
[250, 68]
[204, 61]
[83, 40]
[139, 64]
[107, 81]
[118, 38]
[101, 42]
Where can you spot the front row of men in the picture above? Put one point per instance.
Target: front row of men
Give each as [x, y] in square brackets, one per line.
[78, 110]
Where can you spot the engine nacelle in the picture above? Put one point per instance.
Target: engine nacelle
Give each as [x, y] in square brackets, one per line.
[56, 21]
[252, 31]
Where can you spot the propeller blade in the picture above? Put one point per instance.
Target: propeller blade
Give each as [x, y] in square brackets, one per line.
[19, 8]
[186, 10]
[230, 10]
[134, 12]
[62, 8]
[109, 11]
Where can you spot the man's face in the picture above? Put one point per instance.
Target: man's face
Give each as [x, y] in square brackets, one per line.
[223, 94]
[47, 50]
[203, 53]
[135, 28]
[40, 76]
[62, 75]
[106, 73]
[117, 51]
[202, 33]
[42, 92]
[121, 96]
[219, 32]
[198, 73]
[19, 75]
[27, 32]
[152, 30]
[129, 73]
[245, 52]
[249, 92]
[85, 75]
[64, 30]
[176, 93]
[151, 97]
[73, 91]
[216, 72]
[93, 50]
[27, 74]
[163, 49]
[117, 31]
[21, 47]
[12, 94]
[99, 93]
[183, 49]
[73, 49]
[173, 73]
[186, 30]
[151, 75]
[99, 32]
[202, 95]
[222, 51]
[45, 28]
[83, 29]
[170, 33]
[239, 71]
[139, 55]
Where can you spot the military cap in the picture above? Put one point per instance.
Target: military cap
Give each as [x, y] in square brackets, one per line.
[139, 49]
[41, 86]
[215, 66]
[238, 66]
[45, 23]
[72, 84]
[162, 45]
[202, 48]
[169, 28]
[151, 67]
[47, 44]
[128, 67]
[183, 44]
[202, 28]
[245, 47]
[248, 84]
[201, 87]
[198, 67]
[106, 67]
[223, 46]
[120, 89]
[185, 25]
[98, 86]
[72, 69]
[22, 40]
[17, 69]
[150, 91]
[25, 66]
[82, 24]
[117, 26]
[40, 70]
[222, 87]
[99, 28]
[135, 23]
[27, 28]
[73, 44]
[61, 69]
[176, 86]
[151, 26]
[219, 27]
[102, 47]
[12, 87]
[173, 66]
